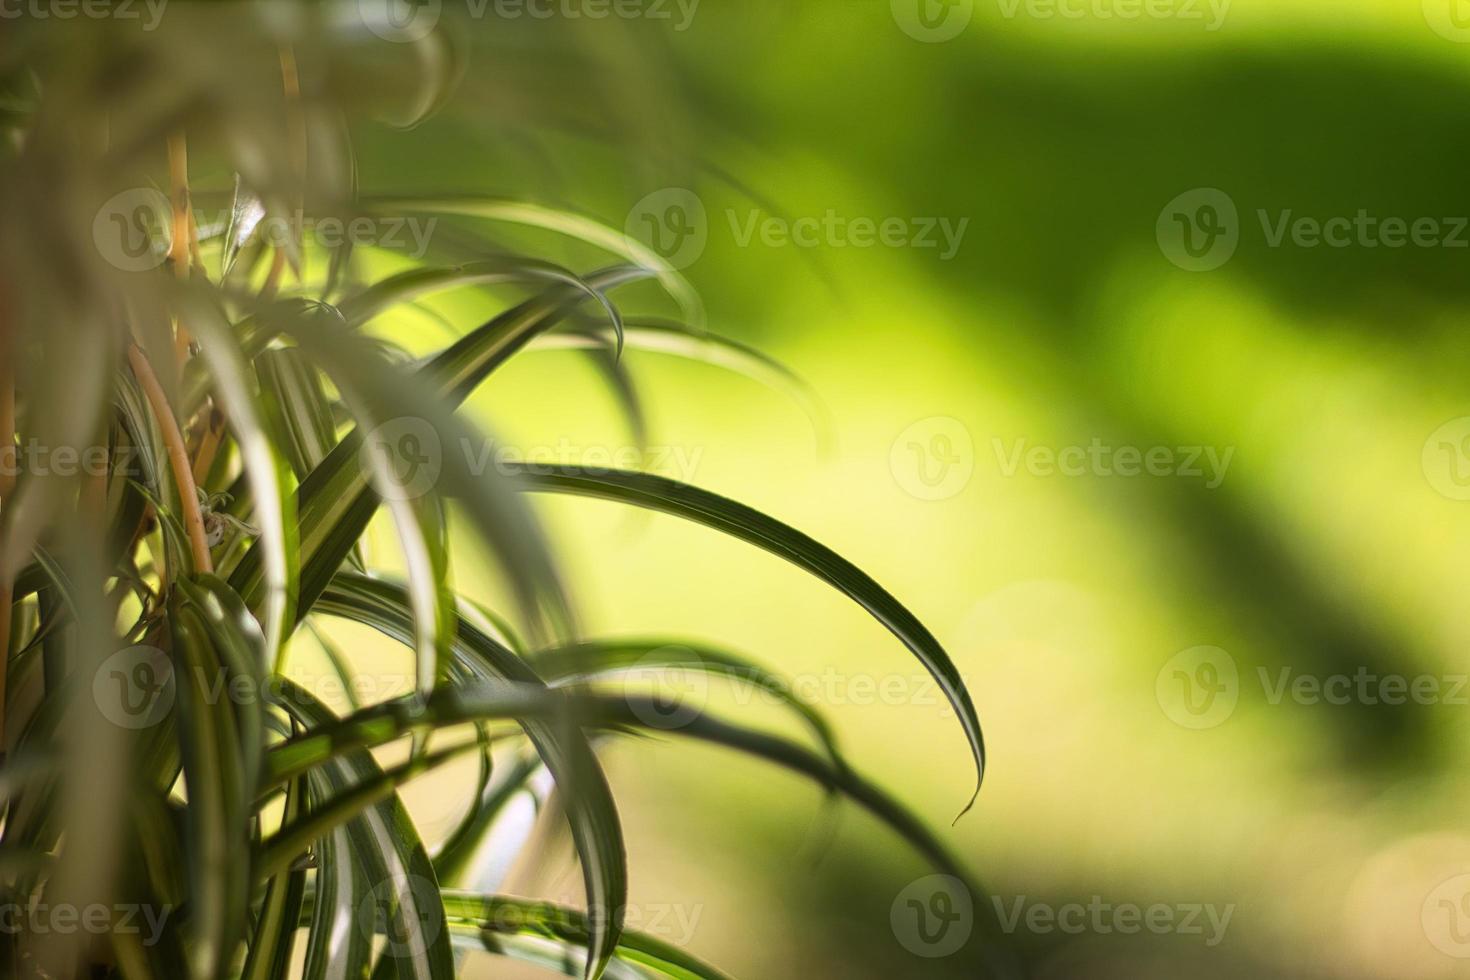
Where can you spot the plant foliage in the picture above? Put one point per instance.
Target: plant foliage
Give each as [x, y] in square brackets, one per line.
[244, 422]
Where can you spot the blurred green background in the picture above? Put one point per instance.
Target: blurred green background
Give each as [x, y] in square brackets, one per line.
[1334, 543]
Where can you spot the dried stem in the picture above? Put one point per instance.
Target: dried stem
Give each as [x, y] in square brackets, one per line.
[7, 485]
[209, 443]
[7, 421]
[181, 245]
[273, 279]
[178, 457]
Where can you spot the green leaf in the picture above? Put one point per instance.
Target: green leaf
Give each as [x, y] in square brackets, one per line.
[460, 847]
[656, 336]
[386, 721]
[335, 502]
[563, 222]
[448, 706]
[269, 956]
[588, 660]
[442, 66]
[423, 535]
[336, 947]
[239, 646]
[299, 832]
[397, 875]
[214, 770]
[245, 214]
[413, 283]
[297, 405]
[496, 915]
[750, 525]
[137, 420]
[591, 811]
[549, 954]
[273, 512]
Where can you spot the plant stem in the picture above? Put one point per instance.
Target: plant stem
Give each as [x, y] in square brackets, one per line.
[7, 421]
[179, 249]
[209, 443]
[178, 457]
[7, 485]
[273, 280]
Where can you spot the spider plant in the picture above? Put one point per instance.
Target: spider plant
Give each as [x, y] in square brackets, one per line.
[235, 414]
